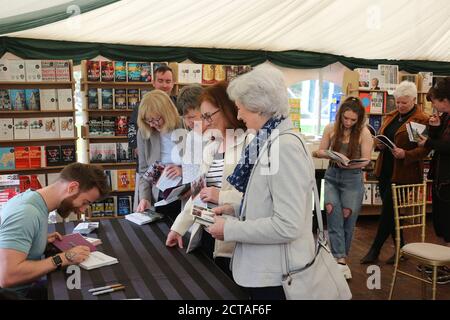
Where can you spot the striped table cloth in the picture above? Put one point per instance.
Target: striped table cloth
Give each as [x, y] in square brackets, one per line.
[147, 268]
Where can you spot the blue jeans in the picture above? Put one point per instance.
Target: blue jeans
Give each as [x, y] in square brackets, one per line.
[344, 191]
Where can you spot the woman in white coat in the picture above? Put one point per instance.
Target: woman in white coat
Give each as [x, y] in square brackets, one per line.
[276, 177]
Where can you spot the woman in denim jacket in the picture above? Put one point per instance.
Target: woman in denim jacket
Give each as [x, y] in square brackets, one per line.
[344, 188]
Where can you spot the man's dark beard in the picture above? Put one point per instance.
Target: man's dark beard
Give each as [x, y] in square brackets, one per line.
[66, 207]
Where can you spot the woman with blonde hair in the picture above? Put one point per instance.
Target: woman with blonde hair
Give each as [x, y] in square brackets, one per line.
[160, 138]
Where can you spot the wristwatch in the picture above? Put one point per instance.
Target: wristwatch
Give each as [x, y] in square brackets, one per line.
[57, 261]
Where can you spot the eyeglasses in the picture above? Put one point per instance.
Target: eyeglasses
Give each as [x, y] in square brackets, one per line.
[208, 116]
[153, 120]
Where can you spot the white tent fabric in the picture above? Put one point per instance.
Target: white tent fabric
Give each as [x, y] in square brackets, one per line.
[380, 29]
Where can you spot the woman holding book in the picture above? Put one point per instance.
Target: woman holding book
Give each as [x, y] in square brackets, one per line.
[158, 140]
[220, 156]
[401, 164]
[344, 188]
[439, 141]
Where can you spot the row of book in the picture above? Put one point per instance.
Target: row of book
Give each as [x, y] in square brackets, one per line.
[121, 71]
[121, 179]
[186, 73]
[108, 126]
[36, 99]
[110, 99]
[12, 158]
[372, 194]
[110, 152]
[377, 102]
[34, 70]
[112, 206]
[36, 128]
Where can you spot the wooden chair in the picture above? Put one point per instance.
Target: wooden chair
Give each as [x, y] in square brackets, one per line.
[410, 213]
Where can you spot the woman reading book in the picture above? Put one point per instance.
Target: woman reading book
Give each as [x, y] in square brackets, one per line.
[344, 187]
[401, 165]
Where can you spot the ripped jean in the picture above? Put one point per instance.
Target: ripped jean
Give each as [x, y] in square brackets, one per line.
[344, 191]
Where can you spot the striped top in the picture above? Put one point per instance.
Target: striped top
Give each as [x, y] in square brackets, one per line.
[215, 172]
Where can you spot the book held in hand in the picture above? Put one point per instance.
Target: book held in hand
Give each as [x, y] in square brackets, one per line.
[385, 140]
[342, 159]
[98, 259]
[415, 129]
[72, 240]
[204, 216]
[86, 227]
[141, 218]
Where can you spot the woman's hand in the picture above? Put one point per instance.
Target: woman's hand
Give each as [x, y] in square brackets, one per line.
[173, 171]
[422, 140]
[317, 154]
[434, 120]
[210, 194]
[216, 230]
[227, 209]
[53, 236]
[174, 238]
[398, 153]
[143, 205]
[380, 146]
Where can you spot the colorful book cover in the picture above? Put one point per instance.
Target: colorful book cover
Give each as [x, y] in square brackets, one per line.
[108, 126]
[32, 99]
[25, 183]
[120, 71]
[208, 74]
[22, 157]
[134, 70]
[7, 160]
[37, 181]
[375, 122]
[53, 155]
[220, 72]
[133, 98]
[62, 70]
[121, 125]
[5, 102]
[123, 180]
[146, 72]
[366, 100]
[120, 98]
[92, 99]
[110, 206]
[35, 156]
[68, 154]
[95, 126]
[107, 98]
[107, 71]
[48, 70]
[132, 178]
[93, 70]
[18, 101]
[364, 78]
[377, 104]
[124, 205]
[390, 103]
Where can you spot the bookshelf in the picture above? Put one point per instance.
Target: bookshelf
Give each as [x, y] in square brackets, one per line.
[107, 106]
[37, 121]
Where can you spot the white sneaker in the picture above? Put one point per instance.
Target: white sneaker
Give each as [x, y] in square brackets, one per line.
[345, 270]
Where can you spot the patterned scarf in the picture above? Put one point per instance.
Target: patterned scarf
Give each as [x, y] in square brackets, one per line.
[241, 174]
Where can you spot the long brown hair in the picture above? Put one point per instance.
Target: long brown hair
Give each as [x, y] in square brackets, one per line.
[355, 105]
[217, 95]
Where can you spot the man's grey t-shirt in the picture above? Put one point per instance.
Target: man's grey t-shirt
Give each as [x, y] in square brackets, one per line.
[24, 227]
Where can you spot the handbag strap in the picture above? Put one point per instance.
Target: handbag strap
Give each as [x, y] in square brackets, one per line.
[321, 239]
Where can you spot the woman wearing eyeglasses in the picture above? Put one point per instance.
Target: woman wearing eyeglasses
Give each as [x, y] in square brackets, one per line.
[158, 140]
[220, 156]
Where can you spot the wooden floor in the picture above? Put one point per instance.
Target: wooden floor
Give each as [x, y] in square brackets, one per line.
[406, 288]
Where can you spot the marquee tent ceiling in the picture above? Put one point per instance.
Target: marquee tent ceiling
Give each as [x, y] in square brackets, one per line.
[368, 29]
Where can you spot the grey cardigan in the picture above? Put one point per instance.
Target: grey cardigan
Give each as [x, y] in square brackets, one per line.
[276, 214]
[150, 151]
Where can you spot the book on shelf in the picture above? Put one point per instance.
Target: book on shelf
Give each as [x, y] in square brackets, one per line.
[66, 127]
[120, 99]
[93, 99]
[207, 74]
[366, 100]
[220, 73]
[6, 130]
[21, 129]
[124, 205]
[124, 152]
[390, 103]
[377, 104]
[108, 126]
[48, 70]
[7, 160]
[62, 70]
[385, 140]
[140, 218]
[48, 99]
[121, 125]
[364, 78]
[17, 98]
[36, 156]
[98, 259]
[68, 154]
[146, 72]
[389, 74]
[32, 99]
[367, 197]
[107, 71]
[5, 101]
[374, 124]
[22, 157]
[426, 81]
[95, 125]
[102, 152]
[15, 70]
[342, 159]
[107, 99]
[72, 240]
[120, 71]
[134, 71]
[33, 70]
[376, 195]
[65, 99]
[53, 156]
[415, 129]
[109, 204]
[133, 98]
[93, 70]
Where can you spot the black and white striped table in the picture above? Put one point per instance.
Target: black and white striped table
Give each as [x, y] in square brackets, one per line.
[147, 268]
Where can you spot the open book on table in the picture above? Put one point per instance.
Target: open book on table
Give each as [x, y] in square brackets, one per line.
[415, 129]
[98, 259]
[339, 157]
